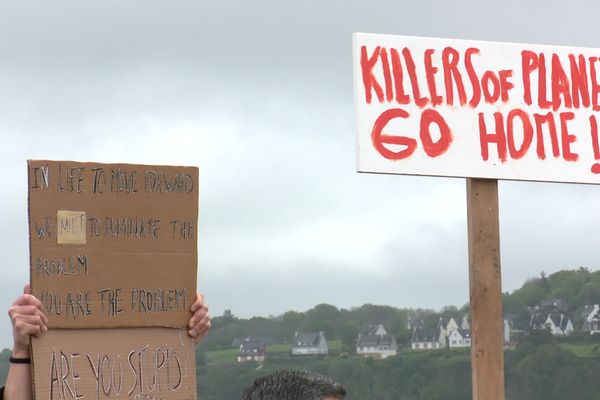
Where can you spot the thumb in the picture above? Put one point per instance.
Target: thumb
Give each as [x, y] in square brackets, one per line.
[27, 289]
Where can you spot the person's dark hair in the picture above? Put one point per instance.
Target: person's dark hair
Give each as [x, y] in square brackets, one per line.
[293, 385]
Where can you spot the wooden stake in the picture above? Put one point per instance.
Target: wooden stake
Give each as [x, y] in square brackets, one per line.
[487, 341]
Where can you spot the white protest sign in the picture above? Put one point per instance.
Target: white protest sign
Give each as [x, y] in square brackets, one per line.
[461, 108]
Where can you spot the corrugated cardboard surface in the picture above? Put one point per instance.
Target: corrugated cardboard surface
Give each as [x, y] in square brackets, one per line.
[137, 363]
[112, 252]
[100, 283]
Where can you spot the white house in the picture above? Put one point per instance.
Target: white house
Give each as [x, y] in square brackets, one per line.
[550, 315]
[424, 339]
[309, 343]
[459, 338]
[445, 328]
[376, 346]
[252, 351]
[591, 319]
[557, 324]
[448, 325]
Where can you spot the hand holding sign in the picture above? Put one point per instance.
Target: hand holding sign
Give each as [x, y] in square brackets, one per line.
[199, 323]
[27, 320]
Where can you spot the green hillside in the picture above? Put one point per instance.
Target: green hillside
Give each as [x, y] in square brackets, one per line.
[537, 371]
[542, 367]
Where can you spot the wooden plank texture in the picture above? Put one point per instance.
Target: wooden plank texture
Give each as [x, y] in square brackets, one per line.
[487, 357]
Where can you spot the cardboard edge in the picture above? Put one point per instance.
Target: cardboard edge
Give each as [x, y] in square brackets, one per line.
[548, 46]
[197, 229]
[355, 84]
[29, 162]
[112, 163]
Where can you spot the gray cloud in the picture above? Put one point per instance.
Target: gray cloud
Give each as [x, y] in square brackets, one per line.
[259, 95]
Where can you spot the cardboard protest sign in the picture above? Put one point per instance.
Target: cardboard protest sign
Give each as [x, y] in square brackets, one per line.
[111, 245]
[137, 363]
[477, 109]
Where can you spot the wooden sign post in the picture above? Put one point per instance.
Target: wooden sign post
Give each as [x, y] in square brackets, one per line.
[482, 111]
[113, 259]
[485, 289]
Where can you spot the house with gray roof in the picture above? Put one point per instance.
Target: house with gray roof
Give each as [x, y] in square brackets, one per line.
[374, 330]
[309, 343]
[591, 319]
[252, 351]
[558, 324]
[375, 342]
[425, 339]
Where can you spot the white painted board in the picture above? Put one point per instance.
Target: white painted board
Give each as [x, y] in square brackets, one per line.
[459, 108]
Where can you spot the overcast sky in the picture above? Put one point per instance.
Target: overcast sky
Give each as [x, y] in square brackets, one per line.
[258, 94]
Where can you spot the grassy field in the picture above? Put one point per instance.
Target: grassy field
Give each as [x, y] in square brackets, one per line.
[583, 350]
[228, 356]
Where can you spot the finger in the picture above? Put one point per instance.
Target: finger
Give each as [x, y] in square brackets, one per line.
[30, 320]
[196, 331]
[199, 322]
[27, 289]
[23, 328]
[16, 311]
[198, 302]
[200, 328]
[23, 320]
[197, 316]
[24, 309]
[27, 299]
[36, 319]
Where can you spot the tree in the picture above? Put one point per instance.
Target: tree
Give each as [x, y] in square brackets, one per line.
[589, 294]
[540, 337]
[318, 326]
[228, 315]
[324, 312]
[349, 334]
